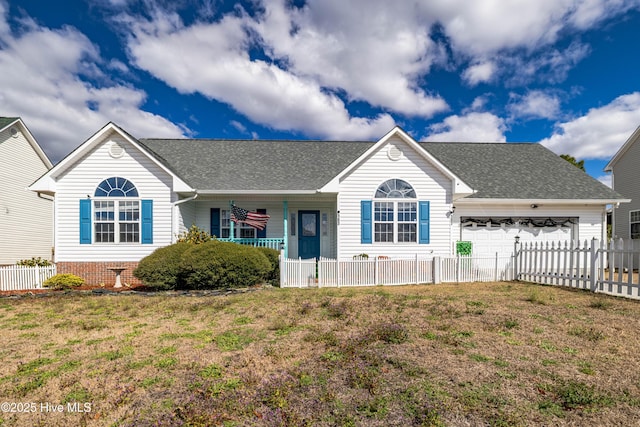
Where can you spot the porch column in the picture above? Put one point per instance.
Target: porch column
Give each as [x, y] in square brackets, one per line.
[231, 223]
[285, 210]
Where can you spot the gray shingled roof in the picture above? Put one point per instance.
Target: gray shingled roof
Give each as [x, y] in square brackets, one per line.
[494, 170]
[517, 171]
[6, 121]
[255, 165]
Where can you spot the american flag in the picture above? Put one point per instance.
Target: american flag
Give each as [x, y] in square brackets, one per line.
[253, 219]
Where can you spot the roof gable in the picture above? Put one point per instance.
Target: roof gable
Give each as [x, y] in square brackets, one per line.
[635, 136]
[6, 122]
[47, 182]
[460, 187]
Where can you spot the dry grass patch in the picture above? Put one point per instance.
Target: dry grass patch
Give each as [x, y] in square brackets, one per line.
[471, 354]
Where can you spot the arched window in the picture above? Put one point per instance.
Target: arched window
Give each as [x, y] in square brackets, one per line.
[395, 219]
[395, 189]
[116, 187]
[116, 212]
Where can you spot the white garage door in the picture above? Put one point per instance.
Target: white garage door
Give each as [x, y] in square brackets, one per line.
[489, 240]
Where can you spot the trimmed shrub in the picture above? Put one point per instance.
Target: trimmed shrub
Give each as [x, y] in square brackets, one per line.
[216, 264]
[194, 235]
[161, 269]
[63, 281]
[273, 277]
[34, 262]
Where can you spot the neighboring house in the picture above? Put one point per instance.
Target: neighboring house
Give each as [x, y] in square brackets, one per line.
[625, 179]
[117, 198]
[26, 219]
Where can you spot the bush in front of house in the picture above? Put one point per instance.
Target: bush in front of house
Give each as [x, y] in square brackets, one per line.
[194, 235]
[63, 281]
[273, 256]
[215, 264]
[34, 262]
[161, 269]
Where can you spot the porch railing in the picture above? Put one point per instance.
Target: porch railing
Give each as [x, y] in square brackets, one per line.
[273, 243]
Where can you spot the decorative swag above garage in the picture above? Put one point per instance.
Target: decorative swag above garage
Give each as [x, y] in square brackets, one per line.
[534, 222]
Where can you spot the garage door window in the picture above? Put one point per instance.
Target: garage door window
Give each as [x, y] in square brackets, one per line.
[634, 224]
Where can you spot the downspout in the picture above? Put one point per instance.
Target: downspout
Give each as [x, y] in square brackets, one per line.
[174, 212]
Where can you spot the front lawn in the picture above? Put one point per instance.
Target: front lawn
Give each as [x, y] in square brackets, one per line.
[437, 355]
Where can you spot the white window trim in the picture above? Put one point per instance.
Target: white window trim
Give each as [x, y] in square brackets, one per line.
[633, 222]
[116, 220]
[395, 221]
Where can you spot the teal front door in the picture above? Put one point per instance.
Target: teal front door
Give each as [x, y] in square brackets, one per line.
[309, 234]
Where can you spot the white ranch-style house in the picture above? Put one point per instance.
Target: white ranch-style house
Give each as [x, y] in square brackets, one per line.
[117, 198]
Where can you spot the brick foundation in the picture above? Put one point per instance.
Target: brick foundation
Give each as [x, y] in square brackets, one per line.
[97, 273]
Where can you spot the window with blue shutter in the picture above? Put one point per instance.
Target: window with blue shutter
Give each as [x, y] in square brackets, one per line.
[147, 221]
[116, 215]
[395, 216]
[365, 221]
[215, 222]
[261, 234]
[85, 221]
[423, 223]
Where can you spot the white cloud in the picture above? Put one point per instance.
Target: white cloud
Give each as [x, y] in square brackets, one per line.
[599, 133]
[479, 73]
[375, 51]
[535, 104]
[211, 59]
[45, 80]
[481, 28]
[472, 127]
[606, 180]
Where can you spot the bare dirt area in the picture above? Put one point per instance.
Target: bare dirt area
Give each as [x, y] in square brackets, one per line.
[476, 354]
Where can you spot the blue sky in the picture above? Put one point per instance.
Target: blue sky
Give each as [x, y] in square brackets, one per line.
[560, 72]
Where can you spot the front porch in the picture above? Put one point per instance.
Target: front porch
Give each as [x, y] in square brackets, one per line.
[299, 226]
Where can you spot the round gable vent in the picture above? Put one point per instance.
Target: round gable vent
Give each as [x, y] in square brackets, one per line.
[116, 150]
[394, 153]
[14, 132]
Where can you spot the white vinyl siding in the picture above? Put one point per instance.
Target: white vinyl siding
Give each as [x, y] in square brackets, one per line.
[429, 183]
[81, 181]
[26, 220]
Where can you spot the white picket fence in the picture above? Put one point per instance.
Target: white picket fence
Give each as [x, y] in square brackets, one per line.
[19, 278]
[327, 272]
[609, 268]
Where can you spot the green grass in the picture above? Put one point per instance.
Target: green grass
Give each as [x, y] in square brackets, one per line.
[500, 354]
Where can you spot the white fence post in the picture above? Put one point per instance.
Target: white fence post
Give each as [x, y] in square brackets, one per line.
[437, 263]
[592, 266]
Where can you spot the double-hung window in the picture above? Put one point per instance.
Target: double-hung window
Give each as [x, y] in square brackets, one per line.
[395, 213]
[634, 224]
[240, 230]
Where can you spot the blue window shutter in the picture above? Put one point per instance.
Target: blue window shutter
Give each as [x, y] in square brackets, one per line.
[147, 221]
[423, 226]
[262, 234]
[85, 221]
[366, 224]
[215, 222]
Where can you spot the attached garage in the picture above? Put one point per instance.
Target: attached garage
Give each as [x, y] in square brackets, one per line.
[489, 236]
